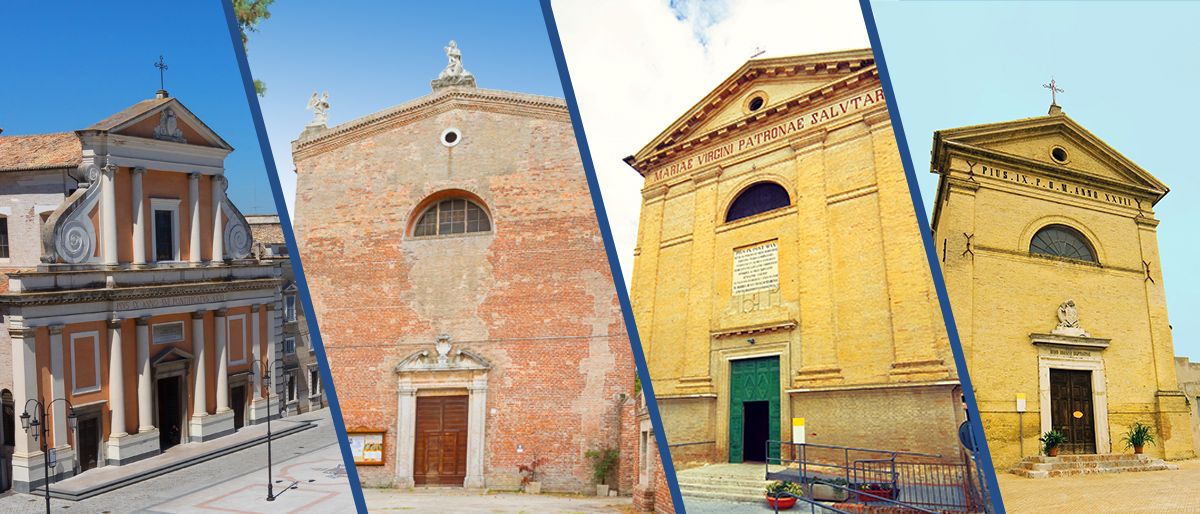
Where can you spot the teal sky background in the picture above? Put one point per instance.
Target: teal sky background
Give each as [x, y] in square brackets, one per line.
[66, 67]
[1130, 70]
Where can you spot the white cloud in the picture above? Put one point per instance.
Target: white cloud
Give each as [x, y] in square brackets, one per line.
[636, 66]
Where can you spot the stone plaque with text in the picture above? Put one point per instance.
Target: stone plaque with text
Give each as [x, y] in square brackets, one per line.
[756, 268]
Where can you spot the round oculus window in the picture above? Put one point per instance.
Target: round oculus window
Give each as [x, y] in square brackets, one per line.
[756, 103]
[451, 137]
[1059, 154]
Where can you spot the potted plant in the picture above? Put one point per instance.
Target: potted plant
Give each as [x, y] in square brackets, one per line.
[873, 491]
[782, 494]
[1051, 441]
[604, 461]
[1137, 437]
[528, 473]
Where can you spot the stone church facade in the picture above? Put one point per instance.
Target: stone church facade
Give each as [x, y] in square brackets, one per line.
[460, 281]
[132, 309]
[1049, 247]
[780, 279]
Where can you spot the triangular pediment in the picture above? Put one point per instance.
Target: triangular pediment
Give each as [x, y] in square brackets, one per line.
[164, 119]
[1053, 144]
[776, 81]
[170, 355]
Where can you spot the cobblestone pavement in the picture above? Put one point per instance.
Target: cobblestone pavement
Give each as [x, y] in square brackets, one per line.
[237, 480]
[1145, 492]
[467, 502]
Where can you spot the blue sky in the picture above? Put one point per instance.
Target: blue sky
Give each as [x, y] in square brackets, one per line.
[1128, 69]
[98, 59]
[372, 55]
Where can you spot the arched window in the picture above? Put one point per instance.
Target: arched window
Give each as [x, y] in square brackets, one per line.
[1062, 241]
[757, 199]
[452, 216]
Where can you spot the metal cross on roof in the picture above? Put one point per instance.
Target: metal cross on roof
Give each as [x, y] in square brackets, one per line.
[1054, 90]
[162, 66]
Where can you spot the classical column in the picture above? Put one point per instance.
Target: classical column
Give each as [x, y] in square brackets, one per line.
[255, 351]
[116, 380]
[222, 362]
[139, 225]
[108, 215]
[145, 394]
[25, 384]
[58, 386]
[194, 208]
[406, 427]
[218, 237]
[476, 417]
[200, 395]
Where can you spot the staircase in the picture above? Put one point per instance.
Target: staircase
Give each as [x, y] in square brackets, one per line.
[1071, 465]
[731, 482]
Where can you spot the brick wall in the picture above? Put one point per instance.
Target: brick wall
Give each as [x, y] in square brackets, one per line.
[534, 296]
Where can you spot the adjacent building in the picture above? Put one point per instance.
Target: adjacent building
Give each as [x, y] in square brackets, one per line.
[132, 308]
[1049, 247]
[464, 295]
[300, 385]
[780, 284]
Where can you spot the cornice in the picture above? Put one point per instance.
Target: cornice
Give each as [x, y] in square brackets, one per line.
[443, 100]
[72, 296]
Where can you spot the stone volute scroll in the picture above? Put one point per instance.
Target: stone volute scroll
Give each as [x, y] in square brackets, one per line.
[1069, 331]
[238, 240]
[69, 236]
[454, 74]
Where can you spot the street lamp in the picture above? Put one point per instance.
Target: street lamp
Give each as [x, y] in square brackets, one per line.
[266, 375]
[36, 426]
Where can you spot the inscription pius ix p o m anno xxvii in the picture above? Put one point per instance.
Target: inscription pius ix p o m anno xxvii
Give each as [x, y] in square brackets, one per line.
[756, 268]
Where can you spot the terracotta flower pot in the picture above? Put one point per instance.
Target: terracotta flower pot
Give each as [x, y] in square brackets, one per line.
[783, 503]
[1138, 448]
[1053, 452]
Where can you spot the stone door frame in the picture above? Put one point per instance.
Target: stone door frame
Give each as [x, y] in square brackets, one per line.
[429, 372]
[1095, 364]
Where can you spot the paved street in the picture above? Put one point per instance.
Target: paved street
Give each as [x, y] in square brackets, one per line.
[468, 502]
[710, 506]
[232, 483]
[1145, 492]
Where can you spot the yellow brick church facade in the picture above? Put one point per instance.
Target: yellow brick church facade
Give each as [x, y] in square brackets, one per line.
[779, 276]
[1049, 249]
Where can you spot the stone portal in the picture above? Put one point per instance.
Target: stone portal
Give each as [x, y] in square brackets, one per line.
[753, 408]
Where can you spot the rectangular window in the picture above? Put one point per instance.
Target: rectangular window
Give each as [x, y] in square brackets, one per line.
[289, 308]
[289, 346]
[164, 229]
[291, 388]
[3, 237]
[314, 381]
[162, 333]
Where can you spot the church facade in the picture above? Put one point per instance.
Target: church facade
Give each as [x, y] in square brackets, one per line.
[780, 284]
[133, 312]
[1049, 248]
[466, 305]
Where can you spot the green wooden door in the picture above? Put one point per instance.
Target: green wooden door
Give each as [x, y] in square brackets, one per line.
[752, 380]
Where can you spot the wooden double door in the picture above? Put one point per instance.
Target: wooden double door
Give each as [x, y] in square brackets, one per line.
[753, 409]
[441, 445]
[1071, 409]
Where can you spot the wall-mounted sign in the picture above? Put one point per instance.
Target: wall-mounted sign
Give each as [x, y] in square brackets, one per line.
[756, 268]
[366, 447]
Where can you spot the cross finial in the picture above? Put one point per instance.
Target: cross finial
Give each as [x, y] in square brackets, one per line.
[1054, 90]
[162, 67]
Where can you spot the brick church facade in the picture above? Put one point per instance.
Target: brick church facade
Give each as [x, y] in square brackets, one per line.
[463, 292]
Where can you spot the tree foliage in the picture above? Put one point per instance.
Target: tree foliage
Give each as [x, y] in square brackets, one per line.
[249, 14]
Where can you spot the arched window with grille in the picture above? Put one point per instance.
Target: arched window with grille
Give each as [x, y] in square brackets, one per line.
[757, 199]
[1062, 241]
[452, 216]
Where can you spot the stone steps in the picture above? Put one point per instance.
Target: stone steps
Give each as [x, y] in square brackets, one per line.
[719, 487]
[1073, 465]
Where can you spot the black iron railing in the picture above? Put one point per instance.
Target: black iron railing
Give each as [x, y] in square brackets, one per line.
[918, 481]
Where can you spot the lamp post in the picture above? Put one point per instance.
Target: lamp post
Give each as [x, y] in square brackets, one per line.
[36, 426]
[266, 375]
